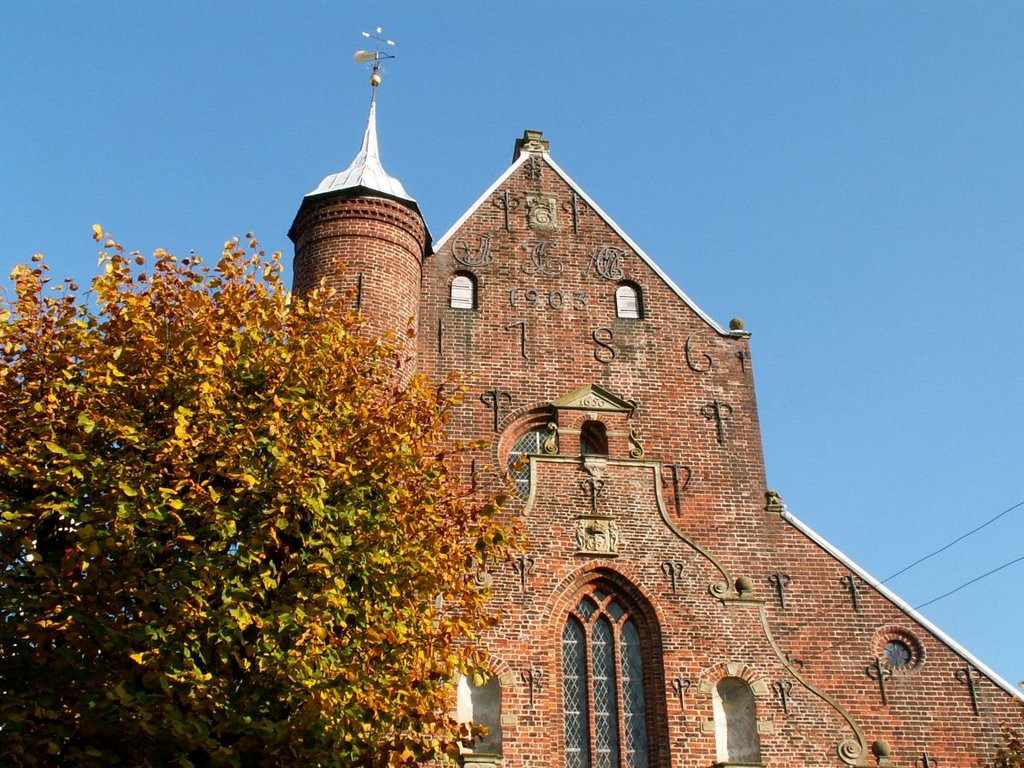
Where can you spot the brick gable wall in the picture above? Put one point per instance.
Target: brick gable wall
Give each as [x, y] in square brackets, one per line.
[674, 518]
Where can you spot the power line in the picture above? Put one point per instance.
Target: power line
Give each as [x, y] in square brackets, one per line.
[792, 631]
[846, 640]
[950, 544]
[968, 583]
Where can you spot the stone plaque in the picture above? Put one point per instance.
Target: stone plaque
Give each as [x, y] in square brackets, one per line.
[597, 536]
[540, 213]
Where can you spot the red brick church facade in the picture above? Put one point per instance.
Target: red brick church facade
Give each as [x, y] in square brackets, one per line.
[668, 610]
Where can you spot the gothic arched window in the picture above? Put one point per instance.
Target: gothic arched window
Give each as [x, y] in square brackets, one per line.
[463, 295]
[604, 707]
[736, 736]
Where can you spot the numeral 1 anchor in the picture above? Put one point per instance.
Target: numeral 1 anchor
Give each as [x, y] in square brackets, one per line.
[521, 325]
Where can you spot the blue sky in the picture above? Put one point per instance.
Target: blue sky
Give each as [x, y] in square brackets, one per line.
[847, 177]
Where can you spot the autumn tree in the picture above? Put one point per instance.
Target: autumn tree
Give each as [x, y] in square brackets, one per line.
[228, 536]
[1011, 752]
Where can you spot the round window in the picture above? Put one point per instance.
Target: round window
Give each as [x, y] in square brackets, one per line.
[899, 649]
[897, 653]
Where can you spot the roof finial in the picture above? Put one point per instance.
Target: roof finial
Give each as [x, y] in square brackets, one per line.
[375, 57]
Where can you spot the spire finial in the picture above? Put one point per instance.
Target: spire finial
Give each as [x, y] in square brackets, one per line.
[374, 57]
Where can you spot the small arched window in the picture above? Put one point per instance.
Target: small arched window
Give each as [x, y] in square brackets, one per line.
[736, 736]
[481, 706]
[593, 438]
[628, 303]
[463, 292]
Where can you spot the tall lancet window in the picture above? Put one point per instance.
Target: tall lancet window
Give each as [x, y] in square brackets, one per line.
[602, 684]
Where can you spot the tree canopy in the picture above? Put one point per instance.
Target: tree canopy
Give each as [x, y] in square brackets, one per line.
[232, 532]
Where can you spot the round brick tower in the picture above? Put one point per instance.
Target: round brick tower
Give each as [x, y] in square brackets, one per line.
[360, 233]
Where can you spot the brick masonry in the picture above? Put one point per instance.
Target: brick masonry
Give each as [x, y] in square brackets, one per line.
[685, 490]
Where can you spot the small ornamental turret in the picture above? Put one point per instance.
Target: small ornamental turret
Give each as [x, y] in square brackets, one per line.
[360, 233]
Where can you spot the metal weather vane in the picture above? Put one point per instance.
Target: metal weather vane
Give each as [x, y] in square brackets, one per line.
[376, 56]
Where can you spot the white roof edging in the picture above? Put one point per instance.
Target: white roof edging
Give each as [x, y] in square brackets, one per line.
[604, 216]
[480, 201]
[900, 603]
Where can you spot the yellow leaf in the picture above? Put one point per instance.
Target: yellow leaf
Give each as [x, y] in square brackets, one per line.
[97, 232]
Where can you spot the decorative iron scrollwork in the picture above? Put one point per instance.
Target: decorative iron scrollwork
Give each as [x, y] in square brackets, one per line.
[540, 261]
[507, 203]
[673, 569]
[472, 249]
[577, 209]
[784, 690]
[493, 398]
[606, 261]
[679, 488]
[850, 582]
[718, 412]
[533, 680]
[524, 566]
[521, 325]
[879, 671]
[967, 675]
[743, 357]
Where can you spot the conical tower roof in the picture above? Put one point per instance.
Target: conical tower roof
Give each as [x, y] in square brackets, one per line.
[365, 172]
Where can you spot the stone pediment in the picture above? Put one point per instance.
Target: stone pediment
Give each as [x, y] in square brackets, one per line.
[593, 398]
